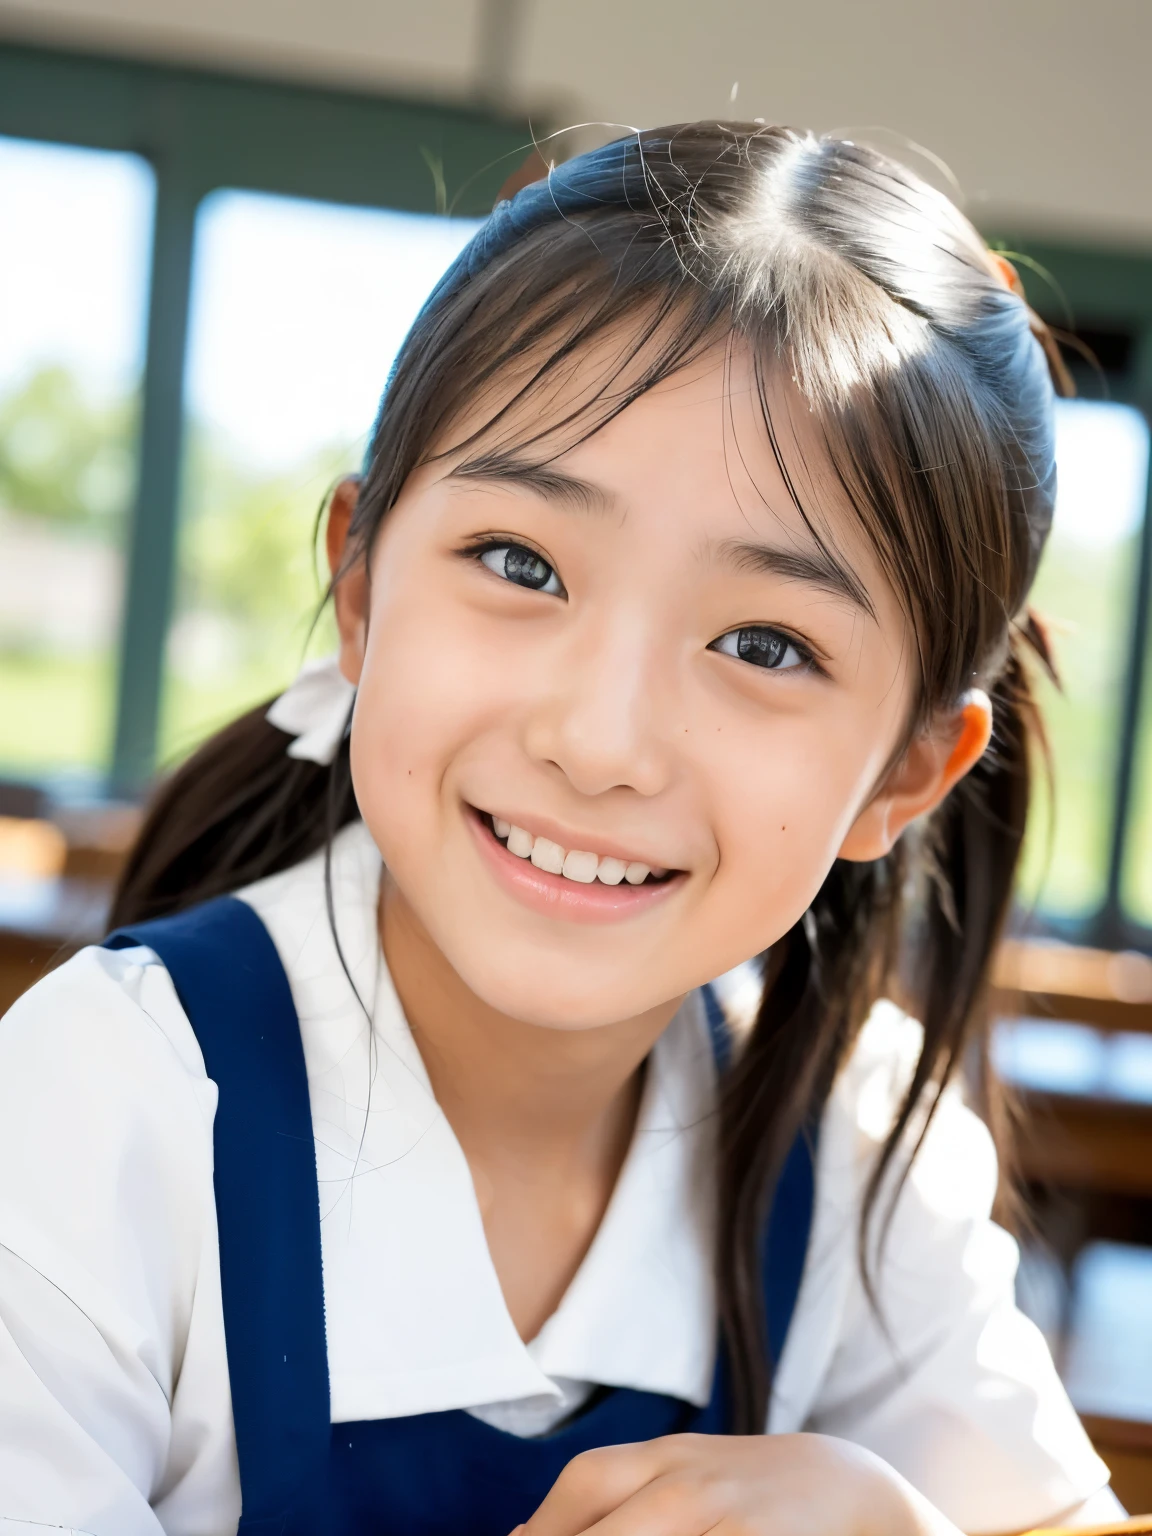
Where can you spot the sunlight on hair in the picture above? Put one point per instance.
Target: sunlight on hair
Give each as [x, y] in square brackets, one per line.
[842, 328]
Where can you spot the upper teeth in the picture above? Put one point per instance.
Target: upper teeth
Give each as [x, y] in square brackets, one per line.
[572, 863]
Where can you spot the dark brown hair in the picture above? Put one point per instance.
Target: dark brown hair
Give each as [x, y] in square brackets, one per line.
[923, 369]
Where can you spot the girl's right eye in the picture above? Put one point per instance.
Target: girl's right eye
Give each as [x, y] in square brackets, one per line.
[523, 567]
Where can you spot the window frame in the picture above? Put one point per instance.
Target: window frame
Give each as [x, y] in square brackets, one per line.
[202, 130]
[1078, 288]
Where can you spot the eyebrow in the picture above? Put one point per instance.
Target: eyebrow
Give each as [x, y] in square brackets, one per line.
[544, 480]
[816, 567]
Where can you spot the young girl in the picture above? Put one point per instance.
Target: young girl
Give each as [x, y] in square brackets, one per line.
[426, 1187]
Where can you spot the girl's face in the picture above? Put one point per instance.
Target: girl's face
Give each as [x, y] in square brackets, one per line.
[638, 659]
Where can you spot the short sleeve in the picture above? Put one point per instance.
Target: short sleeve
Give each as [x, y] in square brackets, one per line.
[115, 1418]
[946, 1379]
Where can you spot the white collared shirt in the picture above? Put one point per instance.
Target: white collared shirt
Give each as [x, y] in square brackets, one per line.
[115, 1415]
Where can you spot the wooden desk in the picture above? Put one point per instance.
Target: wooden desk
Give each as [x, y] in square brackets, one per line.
[42, 921]
[57, 869]
[1125, 1447]
[1083, 986]
[1093, 1137]
[1092, 1130]
[1086, 1144]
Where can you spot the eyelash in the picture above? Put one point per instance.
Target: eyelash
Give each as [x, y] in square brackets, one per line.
[476, 549]
[487, 544]
[806, 665]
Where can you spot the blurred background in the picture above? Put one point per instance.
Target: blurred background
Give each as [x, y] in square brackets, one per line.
[217, 220]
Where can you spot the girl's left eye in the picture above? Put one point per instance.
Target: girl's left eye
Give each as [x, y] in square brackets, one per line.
[522, 566]
[762, 647]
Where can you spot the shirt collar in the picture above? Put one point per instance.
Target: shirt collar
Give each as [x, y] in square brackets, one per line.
[416, 1321]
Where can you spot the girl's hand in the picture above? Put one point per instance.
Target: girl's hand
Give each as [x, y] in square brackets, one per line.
[734, 1485]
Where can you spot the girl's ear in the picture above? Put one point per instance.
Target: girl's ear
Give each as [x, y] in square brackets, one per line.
[933, 763]
[349, 587]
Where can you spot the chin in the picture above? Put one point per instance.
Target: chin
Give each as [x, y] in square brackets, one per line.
[575, 996]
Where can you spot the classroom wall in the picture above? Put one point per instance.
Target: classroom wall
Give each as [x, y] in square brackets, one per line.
[1042, 108]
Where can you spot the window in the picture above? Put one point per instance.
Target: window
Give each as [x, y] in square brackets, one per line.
[1094, 884]
[298, 309]
[200, 132]
[1136, 883]
[185, 232]
[75, 230]
[1084, 591]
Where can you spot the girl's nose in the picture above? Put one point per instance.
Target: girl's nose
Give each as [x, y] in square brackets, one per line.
[600, 718]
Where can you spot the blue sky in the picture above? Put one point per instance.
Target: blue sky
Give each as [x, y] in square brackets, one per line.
[298, 309]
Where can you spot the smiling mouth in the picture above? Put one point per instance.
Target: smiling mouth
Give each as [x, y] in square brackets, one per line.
[578, 865]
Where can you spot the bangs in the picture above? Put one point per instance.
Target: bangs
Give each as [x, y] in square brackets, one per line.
[851, 281]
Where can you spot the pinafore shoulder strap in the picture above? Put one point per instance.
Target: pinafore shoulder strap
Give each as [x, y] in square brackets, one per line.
[231, 984]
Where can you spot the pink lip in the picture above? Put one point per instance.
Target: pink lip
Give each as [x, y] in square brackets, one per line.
[566, 899]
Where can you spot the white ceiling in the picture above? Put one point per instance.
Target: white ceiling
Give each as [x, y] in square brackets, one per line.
[1041, 108]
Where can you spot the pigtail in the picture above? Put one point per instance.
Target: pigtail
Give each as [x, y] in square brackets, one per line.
[861, 939]
[239, 809]
[968, 864]
[820, 981]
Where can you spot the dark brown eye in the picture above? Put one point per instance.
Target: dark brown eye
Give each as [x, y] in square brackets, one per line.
[761, 647]
[522, 566]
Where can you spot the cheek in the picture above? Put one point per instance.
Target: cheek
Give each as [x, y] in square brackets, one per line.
[432, 686]
[412, 705]
[782, 807]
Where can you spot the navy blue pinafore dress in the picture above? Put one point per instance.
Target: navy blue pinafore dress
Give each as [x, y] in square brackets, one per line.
[429, 1474]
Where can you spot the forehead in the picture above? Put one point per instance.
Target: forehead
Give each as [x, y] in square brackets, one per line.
[723, 448]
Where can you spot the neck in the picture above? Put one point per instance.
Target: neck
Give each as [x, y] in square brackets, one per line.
[544, 1116]
[511, 1088]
